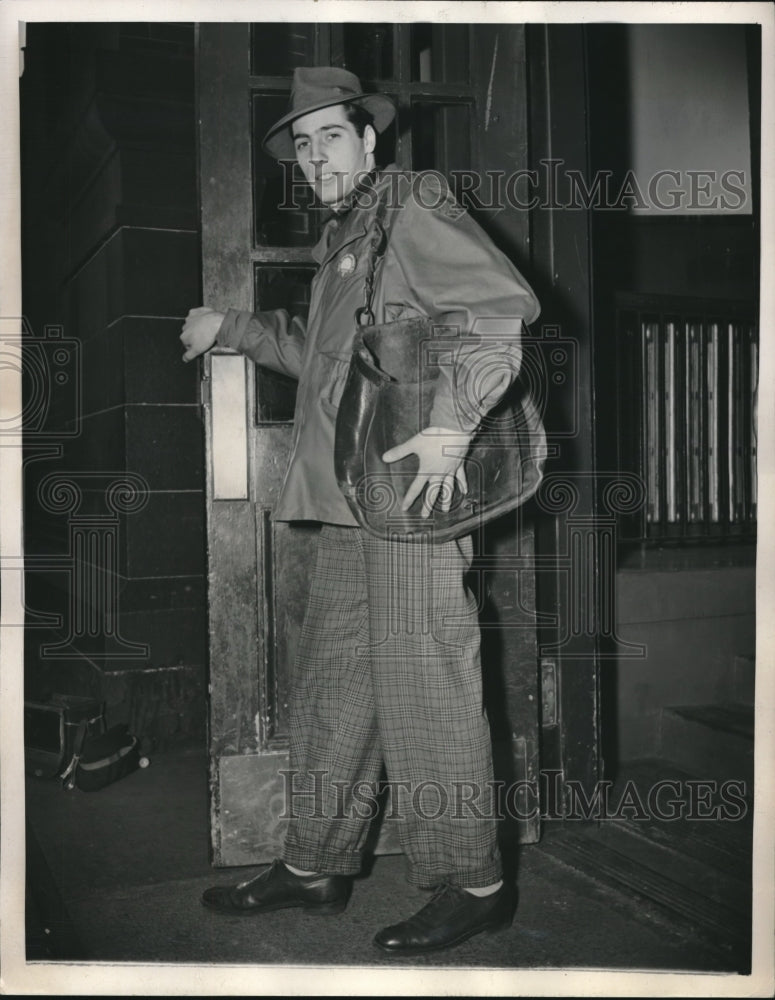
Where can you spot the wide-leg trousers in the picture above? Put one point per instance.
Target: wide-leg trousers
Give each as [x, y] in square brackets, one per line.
[388, 671]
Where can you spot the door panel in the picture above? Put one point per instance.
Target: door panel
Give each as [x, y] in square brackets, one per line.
[255, 256]
[574, 556]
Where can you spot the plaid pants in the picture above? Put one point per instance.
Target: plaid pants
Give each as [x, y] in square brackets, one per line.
[388, 670]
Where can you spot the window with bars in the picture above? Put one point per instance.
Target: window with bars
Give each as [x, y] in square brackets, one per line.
[686, 390]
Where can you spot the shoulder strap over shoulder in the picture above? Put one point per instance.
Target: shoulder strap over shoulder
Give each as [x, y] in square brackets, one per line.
[383, 222]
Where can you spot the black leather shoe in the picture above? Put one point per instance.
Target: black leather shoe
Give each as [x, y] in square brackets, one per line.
[278, 888]
[451, 917]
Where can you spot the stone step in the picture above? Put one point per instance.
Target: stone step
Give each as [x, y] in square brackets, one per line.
[715, 742]
[710, 823]
[686, 849]
[716, 903]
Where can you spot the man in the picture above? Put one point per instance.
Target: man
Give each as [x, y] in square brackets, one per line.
[388, 669]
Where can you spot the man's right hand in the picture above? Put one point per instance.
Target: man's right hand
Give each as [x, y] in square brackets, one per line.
[200, 330]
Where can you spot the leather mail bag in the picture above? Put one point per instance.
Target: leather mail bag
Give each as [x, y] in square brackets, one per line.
[388, 398]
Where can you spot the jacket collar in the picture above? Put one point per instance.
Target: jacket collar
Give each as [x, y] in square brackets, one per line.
[353, 220]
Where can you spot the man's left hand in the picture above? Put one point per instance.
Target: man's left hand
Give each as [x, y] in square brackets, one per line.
[441, 452]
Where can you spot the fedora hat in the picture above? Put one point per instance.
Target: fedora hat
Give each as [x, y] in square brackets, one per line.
[316, 87]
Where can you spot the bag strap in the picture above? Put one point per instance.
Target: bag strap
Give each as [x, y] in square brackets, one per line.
[364, 316]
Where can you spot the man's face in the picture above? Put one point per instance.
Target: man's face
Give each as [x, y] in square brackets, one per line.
[330, 152]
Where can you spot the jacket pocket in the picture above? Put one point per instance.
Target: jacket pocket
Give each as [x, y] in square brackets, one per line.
[333, 375]
[400, 310]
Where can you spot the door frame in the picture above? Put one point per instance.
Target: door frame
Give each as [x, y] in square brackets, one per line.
[561, 267]
[569, 678]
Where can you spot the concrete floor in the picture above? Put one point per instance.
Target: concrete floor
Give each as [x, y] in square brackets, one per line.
[117, 876]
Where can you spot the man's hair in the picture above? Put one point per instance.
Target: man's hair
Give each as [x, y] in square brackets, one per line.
[359, 118]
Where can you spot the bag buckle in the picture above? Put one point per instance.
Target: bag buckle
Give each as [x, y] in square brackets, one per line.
[364, 316]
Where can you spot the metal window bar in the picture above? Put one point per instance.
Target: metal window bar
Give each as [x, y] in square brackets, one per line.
[754, 395]
[712, 423]
[653, 423]
[696, 450]
[688, 373]
[672, 475]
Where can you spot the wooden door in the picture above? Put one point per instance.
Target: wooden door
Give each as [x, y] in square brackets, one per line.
[461, 94]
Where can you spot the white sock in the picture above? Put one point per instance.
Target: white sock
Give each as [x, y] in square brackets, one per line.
[297, 871]
[485, 890]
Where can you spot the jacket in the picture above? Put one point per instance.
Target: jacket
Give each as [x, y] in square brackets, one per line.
[438, 263]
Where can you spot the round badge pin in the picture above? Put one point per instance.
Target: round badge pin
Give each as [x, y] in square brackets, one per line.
[346, 265]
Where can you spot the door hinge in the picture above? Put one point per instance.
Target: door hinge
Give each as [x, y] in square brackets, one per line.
[548, 692]
[205, 392]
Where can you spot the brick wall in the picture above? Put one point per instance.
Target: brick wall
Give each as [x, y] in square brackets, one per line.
[114, 507]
